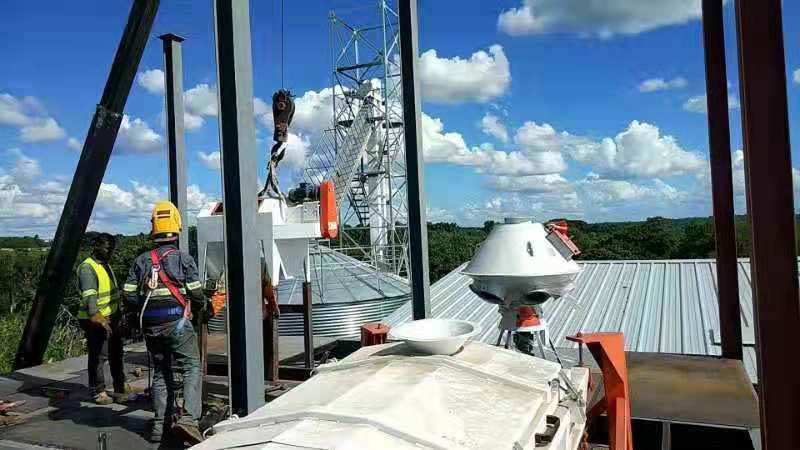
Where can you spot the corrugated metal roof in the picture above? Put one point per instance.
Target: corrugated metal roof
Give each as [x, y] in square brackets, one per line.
[345, 292]
[667, 306]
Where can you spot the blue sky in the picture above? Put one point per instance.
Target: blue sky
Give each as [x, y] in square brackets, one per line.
[541, 108]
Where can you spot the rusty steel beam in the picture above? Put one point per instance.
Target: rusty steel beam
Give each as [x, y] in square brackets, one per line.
[85, 185]
[719, 145]
[768, 176]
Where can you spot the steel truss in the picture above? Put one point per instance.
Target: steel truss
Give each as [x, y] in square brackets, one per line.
[366, 68]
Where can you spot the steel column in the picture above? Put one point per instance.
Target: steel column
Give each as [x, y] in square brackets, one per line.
[768, 172]
[415, 164]
[308, 326]
[176, 142]
[239, 183]
[722, 179]
[85, 185]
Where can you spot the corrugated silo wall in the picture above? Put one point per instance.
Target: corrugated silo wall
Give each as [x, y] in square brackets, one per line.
[334, 320]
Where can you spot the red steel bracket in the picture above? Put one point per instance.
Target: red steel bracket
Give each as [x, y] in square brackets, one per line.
[608, 350]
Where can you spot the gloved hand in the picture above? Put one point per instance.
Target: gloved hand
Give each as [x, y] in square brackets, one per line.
[101, 321]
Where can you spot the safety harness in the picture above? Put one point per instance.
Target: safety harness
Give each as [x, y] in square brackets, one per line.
[158, 274]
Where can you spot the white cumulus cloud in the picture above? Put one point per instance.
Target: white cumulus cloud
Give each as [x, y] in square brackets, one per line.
[530, 184]
[440, 146]
[643, 151]
[699, 104]
[74, 144]
[25, 169]
[12, 111]
[639, 151]
[493, 126]
[136, 136]
[152, 81]
[796, 76]
[619, 193]
[28, 115]
[42, 130]
[313, 111]
[199, 102]
[210, 160]
[602, 19]
[482, 77]
[298, 147]
[660, 84]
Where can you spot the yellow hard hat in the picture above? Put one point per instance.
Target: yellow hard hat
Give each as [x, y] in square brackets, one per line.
[166, 222]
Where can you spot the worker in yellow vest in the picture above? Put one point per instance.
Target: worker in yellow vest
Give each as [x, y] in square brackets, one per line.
[100, 317]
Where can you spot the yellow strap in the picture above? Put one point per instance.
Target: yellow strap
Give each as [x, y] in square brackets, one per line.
[193, 285]
[127, 287]
[88, 293]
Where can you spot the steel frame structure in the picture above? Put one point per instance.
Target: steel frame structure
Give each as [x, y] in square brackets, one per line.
[770, 204]
[365, 63]
[719, 146]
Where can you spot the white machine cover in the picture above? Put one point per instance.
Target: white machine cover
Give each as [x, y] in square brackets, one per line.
[382, 398]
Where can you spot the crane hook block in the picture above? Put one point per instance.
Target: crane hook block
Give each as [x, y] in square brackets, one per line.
[328, 217]
[282, 113]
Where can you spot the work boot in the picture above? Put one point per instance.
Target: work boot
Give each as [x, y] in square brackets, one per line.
[186, 429]
[119, 398]
[156, 432]
[103, 399]
[133, 389]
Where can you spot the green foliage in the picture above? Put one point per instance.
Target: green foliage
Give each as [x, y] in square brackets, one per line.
[65, 342]
[22, 242]
[450, 246]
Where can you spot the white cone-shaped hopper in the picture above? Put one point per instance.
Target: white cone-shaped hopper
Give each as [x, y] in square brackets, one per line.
[518, 264]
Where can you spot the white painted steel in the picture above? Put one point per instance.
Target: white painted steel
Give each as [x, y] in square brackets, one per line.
[435, 336]
[385, 397]
[283, 232]
[517, 259]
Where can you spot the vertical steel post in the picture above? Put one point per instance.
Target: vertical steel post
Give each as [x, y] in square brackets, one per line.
[85, 185]
[415, 164]
[271, 347]
[308, 324]
[722, 179]
[239, 183]
[176, 142]
[768, 172]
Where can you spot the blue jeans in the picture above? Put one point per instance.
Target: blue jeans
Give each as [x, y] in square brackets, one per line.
[174, 351]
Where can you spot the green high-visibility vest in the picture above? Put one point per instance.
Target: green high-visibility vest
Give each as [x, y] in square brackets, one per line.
[107, 294]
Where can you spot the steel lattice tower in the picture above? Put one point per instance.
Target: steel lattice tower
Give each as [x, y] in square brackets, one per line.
[366, 74]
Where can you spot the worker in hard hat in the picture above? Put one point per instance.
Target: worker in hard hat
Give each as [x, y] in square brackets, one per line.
[100, 317]
[164, 287]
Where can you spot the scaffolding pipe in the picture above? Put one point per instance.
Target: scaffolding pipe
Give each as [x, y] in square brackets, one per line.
[770, 198]
[85, 185]
[719, 145]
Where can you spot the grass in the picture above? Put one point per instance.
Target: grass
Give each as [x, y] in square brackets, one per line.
[66, 341]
